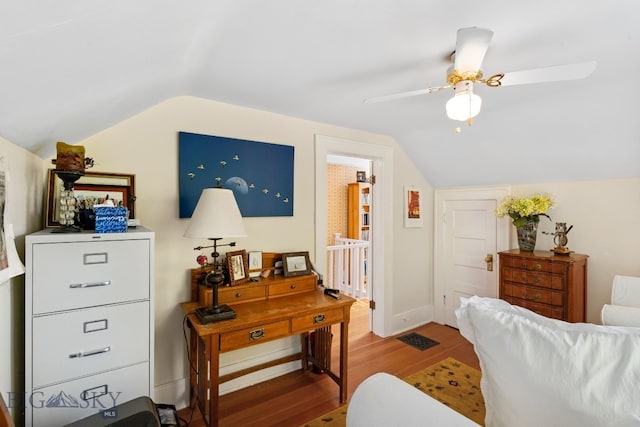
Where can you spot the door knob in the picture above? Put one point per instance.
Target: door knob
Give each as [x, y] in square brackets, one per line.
[489, 260]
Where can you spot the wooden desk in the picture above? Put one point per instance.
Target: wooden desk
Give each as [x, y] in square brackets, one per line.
[262, 321]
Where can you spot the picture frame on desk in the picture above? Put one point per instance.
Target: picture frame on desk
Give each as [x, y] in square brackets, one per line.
[296, 264]
[238, 267]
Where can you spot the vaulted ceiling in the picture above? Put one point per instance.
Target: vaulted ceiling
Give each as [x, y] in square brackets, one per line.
[71, 68]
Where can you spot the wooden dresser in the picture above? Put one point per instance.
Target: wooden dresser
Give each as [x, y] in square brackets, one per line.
[552, 285]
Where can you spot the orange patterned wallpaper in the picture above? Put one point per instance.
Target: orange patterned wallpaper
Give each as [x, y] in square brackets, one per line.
[338, 179]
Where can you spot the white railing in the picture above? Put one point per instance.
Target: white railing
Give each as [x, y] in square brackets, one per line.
[347, 266]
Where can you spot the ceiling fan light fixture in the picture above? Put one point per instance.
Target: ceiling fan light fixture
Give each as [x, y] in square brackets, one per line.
[465, 104]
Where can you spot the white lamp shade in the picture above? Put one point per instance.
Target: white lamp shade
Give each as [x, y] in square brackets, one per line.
[216, 216]
[465, 104]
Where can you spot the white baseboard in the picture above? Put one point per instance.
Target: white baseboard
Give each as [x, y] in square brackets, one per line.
[412, 319]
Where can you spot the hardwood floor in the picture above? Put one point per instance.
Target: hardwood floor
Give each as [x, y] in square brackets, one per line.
[293, 399]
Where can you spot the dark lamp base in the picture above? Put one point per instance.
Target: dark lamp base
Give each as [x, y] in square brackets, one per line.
[215, 314]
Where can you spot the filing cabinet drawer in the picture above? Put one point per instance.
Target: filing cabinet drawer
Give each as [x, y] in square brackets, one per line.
[250, 336]
[316, 320]
[73, 344]
[64, 403]
[83, 274]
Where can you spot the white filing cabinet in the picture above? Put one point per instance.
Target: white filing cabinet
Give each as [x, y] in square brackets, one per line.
[88, 323]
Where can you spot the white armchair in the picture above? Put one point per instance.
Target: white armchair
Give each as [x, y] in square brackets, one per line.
[624, 309]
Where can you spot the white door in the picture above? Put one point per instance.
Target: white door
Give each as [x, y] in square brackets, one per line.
[468, 239]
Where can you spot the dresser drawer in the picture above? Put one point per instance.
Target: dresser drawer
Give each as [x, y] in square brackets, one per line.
[542, 309]
[77, 343]
[292, 286]
[531, 278]
[533, 265]
[83, 274]
[235, 294]
[316, 320]
[527, 293]
[250, 336]
[67, 402]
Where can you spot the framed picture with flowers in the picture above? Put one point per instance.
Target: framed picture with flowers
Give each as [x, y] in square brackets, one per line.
[413, 208]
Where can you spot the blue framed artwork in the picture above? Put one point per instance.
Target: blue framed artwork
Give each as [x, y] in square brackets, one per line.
[260, 174]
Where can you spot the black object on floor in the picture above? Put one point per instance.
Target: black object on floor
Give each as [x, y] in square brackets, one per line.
[418, 341]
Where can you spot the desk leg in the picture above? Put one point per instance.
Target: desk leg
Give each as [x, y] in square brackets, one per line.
[344, 354]
[208, 378]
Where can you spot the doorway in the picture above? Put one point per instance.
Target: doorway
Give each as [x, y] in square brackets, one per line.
[381, 160]
[467, 239]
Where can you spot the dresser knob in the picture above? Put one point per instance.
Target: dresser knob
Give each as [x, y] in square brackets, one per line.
[238, 295]
[293, 286]
[538, 266]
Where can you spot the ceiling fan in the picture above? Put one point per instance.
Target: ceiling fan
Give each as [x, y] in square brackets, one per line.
[471, 46]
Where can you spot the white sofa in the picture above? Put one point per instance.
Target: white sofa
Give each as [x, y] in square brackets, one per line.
[536, 371]
[624, 309]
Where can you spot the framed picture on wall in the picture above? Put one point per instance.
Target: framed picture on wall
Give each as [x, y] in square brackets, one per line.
[413, 215]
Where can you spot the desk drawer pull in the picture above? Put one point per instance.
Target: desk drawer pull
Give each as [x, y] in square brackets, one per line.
[256, 335]
[318, 319]
[89, 353]
[89, 285]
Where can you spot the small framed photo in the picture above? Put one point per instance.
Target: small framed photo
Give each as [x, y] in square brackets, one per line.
[413, 215]
[296, 264]
[238, 267]
[361, 176]
[255, 263]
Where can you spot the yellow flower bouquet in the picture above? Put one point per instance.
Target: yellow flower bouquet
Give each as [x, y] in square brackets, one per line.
[523, 210]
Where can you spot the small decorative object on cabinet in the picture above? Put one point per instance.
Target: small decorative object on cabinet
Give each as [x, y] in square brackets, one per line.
[552, 285]
[359, 205]
[89, 329]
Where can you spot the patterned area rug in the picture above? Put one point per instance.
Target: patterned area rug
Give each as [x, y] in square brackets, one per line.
[448, 381]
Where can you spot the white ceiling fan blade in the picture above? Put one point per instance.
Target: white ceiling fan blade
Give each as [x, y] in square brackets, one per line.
[547, 74]
[471, 46]
[404, 94]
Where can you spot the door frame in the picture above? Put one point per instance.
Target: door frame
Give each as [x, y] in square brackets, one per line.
[502, 237]
[381, 157]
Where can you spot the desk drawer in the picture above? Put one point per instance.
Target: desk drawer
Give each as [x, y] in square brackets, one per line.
[293, 286]
[316, 320]
[236, 294]
[251, 336]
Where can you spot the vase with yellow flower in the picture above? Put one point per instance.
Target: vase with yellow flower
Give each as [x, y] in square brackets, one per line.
[525, 213]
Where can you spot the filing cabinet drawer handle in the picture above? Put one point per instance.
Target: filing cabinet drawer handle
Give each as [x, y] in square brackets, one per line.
[89, 285]
[256, 335]
[94, 392]
[90, 352]
[318, 319]
[531, 282]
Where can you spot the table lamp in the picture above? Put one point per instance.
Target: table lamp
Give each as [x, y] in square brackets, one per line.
[215, 217]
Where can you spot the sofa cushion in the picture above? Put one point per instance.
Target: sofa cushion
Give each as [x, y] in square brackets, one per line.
[538, 371]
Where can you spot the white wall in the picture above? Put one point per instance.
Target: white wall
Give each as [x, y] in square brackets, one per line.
[147, 145]
[606, 226]
[24, 211]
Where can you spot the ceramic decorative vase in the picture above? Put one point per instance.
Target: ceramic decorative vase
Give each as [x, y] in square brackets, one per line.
[527, 236]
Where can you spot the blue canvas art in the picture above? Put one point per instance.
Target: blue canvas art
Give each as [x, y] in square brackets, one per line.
[259, 174]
